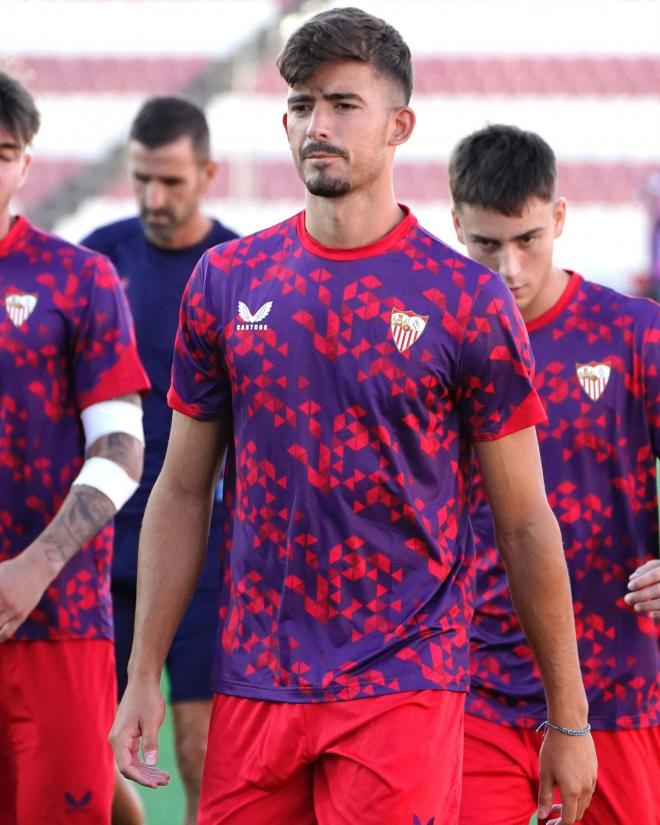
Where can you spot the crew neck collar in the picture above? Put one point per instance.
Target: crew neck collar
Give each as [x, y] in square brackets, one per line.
[560, 305]
[378, 247]
[18, 227]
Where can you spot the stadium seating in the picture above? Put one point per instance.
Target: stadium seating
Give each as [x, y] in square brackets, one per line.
[586, 76]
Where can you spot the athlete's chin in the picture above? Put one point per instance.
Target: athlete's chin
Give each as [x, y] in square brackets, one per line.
[326, 187]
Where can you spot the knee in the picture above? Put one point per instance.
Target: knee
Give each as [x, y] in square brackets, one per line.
[190, 753]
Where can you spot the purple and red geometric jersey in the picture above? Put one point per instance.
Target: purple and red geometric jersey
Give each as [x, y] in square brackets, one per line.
[66, 341]
[597, 356]
[356, 381]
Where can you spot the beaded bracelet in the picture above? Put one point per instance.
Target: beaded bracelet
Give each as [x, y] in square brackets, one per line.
[568, 731]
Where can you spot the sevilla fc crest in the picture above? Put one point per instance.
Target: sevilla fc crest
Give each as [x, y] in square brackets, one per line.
[406, 327]
[20, 307]
[593, 378]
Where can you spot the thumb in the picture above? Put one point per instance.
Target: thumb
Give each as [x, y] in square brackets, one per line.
[150, 743]
[545, 798]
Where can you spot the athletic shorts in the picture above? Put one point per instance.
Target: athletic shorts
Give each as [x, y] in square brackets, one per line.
[501, 776]
[190, 656]
[57, 704]
[387, 760]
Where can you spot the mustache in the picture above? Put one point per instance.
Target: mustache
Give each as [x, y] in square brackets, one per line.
[326, 148]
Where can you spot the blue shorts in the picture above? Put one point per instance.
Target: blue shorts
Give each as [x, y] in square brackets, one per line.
[190, 657]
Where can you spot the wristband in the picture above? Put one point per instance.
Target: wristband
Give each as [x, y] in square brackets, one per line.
[567, 731]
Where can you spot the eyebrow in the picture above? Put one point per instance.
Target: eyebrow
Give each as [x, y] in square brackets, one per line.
[8, 145]
[476, 237]
[307, 98]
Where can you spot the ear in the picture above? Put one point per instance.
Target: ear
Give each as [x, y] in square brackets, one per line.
[402, 125]
[285, 123]
[559, 216]
[27, 160]
[209, 171]
[457, 225]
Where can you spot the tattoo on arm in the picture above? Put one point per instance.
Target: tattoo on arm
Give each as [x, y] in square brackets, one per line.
[121, 448]
[82, 514]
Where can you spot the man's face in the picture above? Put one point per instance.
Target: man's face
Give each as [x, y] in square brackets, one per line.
[169, 183]
[14, 163]
[342, 124]
[518, 247]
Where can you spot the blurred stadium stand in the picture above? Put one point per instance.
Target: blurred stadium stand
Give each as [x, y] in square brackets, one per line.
[586, 75]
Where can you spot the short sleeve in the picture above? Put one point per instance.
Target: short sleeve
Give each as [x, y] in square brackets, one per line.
[496, 395]
[200, 385]
[651, 372]
[105, 357]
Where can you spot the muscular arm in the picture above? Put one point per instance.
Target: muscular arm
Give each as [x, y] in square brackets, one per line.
[172, 549]
[84, 511]
[530, 543]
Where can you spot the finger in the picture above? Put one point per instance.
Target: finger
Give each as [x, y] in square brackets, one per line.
[150, 743]
[555, 812]
[645, 568]
[545, 798]
[7, 630]
[568, 809]
[647, 606]
[145, 775]
[642, 582]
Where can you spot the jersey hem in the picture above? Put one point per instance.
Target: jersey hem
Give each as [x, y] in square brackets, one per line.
[317, 694]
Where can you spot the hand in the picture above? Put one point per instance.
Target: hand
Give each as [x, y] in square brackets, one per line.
[139, 716]
[22, 584]
[569, 762]
[644, 584]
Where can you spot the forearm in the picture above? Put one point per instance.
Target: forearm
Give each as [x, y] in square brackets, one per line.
[540, 589]
[83, 513]
[173, 544]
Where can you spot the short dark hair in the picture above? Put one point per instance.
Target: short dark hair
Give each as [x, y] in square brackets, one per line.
[501, 168]
[346, 34]
[18, 112]
[162, 120]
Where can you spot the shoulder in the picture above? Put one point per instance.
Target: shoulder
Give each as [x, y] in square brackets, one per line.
[221, 233]
[107, 238]
[237, 253]
[618, 308]
[468, 275]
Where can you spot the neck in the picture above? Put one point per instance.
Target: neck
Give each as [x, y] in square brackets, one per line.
[191, 233]
[548, 296]
[353, 220]
[6, 221]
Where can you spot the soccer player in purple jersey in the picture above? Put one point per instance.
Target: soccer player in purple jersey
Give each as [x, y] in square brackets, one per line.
[71, 447]
[349, 360]
[597, 356]
[169, 156]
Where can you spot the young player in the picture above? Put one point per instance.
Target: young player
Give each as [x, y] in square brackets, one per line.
[71, 447]
[597, 356]
[350, 360]
[171, 169]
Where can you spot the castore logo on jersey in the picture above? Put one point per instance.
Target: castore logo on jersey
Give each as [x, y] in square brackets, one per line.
[251, 321]
[20, 307]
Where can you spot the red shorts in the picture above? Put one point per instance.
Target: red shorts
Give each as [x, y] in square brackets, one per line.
[501, 776]
[57, 702]
[392, 759]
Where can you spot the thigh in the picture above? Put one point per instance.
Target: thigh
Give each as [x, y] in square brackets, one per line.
[394, 759]
[123, 609]
[628, 789]
[500, 774]
[64, 764]
[190, 658]
[256, 770]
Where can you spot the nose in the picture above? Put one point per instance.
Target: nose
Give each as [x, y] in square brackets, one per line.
[509, 264]
[318, 127]
[154, 195]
